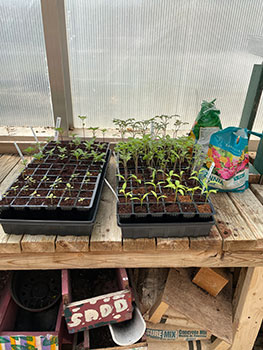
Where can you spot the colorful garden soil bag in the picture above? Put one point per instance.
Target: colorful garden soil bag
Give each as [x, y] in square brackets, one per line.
[206, 123]
[228, 150]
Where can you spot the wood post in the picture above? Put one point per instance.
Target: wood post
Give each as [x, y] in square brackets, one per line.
[249, 310]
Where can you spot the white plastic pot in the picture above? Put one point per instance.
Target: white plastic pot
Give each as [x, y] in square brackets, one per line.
[128, 332]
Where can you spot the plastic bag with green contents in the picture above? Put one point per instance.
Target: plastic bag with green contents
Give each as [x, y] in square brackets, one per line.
[207, 123]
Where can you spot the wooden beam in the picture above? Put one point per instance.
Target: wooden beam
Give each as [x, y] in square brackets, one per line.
[219, 344]
[249, 310]
[211, 280]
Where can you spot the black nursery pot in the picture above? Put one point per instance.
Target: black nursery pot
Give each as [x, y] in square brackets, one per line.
[36, 291]
[63, 210]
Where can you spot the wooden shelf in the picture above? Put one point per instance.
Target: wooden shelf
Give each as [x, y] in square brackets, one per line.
[235, 240]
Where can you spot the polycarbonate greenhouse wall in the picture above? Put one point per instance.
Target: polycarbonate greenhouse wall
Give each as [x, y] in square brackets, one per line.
[135, 58]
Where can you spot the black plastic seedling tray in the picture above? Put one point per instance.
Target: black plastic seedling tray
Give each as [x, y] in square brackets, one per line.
[165, 229]
[55, 222]
[167, 218]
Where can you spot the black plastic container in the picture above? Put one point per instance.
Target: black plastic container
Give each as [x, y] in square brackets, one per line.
[55, 220]
[180, 218]
[165, 229]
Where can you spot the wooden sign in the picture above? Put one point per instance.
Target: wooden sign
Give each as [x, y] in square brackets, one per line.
[98, 311]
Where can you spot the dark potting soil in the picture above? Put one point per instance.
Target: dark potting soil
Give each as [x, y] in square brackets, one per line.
[185, 199]
[140, 208]
[139, 190]
[90, 283]
[101, 338]
[188, 208]
[125, 209]
[156, 208]
[204, 208]
[174, 207]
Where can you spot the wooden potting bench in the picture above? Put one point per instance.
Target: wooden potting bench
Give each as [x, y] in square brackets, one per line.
[235, 241]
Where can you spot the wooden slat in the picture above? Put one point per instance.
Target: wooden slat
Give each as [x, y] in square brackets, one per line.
[175, 244]
[251, 210]
[9, 243]
[249, 310]
[111, 259]
[234, 230]
[7, 162]
[212, 314]
[212, 242]
[72, 244]
[12, 175]
[139, 244]
[106, 234]
[258, 192]
[38, 243]
[9, 172]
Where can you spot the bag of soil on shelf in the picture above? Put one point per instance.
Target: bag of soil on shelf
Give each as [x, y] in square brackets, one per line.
[228, 150]
[206, 123]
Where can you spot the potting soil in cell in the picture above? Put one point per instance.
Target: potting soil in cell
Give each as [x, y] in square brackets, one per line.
[90, 283]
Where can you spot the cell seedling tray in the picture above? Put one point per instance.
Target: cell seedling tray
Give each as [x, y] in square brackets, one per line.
[187, 216]
[29, 207]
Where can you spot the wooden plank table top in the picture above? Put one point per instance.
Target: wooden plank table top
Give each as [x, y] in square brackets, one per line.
[235, 240]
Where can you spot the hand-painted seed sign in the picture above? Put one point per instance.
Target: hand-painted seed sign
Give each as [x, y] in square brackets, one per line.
[98, 311]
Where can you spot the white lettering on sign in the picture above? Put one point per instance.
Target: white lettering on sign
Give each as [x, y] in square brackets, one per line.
[120, 305]
[104, 311]
[91, 315]
[75, 319]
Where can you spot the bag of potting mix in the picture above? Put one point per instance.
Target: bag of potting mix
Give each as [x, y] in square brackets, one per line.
[228, 150]
[207, 122]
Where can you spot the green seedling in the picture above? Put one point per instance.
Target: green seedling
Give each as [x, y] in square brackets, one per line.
[62, 156]
[103, 133]
[61, 132]
[29, 150]
[50, 152]
[69, 187]
[158, 197]
[137, 180]
[81, 200]
[123, 191]
[55, 183]
[14, 188]
[206, 190]
[77, 153]
[34, 194]
[140, 198]
[177, 187]
[51, 196]
[38, 156]
[83, 121]
[94, 130]
[151, 183]
[62, 149]
[76, 140]
[88, 144]
[73, 177]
